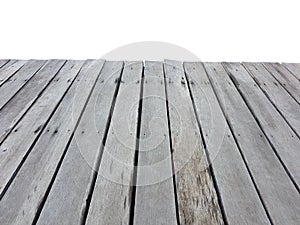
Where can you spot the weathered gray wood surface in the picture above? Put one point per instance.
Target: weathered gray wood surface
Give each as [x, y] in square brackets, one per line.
[285, 78]
[294, 68]
[197, 199]
[280, 196]
[155, 201]
[9, 69]
[3, 62]
[238, 194]
[10, 88]
[13, 111]
[277, 130]
[67, 200]
[277, 94]
[15, 147]
[234, 143]
[115, 176]
[25, 195]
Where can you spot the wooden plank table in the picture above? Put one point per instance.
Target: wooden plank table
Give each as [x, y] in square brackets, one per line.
[112, 142]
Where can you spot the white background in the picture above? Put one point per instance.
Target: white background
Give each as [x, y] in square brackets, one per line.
[215, 30]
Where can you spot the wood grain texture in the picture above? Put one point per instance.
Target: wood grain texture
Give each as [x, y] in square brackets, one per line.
[111, 200]
[12, 86]
[66, 202]
[15, 147]
[217, 143]
[277, 94]
[25, 196]
[285, 141]
[155, 201]
[9, 69]
[285, 78]
[13, 111]
[197, 199]
[279, 194]
[294, 68]
[239, 197]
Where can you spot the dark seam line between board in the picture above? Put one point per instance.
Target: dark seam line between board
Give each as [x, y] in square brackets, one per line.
[210, 167]
[10, 76]
[35, 141]
[91, 187]
[263, 131]
[266, 94]
[239, 147]
[24, 113]
[137, 147]
[282, 85]
[171, 148]
[23, 85]
[4, 63]
[291, 72]
[44, 199]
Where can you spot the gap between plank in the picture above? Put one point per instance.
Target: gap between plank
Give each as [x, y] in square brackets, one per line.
[266, 94]
[210, 168]
[284, 87]
[6, 79]
[171, 148]
[261, 128]
[35, 140]
[100, 153]
[37, 97]
[27, 81]
[4, 63]
[137, 146]
[40, 207]
[292, 73]
[239, 148]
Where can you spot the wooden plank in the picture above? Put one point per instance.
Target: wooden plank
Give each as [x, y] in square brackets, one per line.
[280, 197]
[283, 138]
[197, 198]
[294, 68]
[67, 199]
[239, 197]
[13, 111]
[25, 196]
[276, 94]
[3, 62]
[8, 70]
[155, 197]
[285, 78]
[8, 64]
[12, 86]
[115, 176]
[17, 145]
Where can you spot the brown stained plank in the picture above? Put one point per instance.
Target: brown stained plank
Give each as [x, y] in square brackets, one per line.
[294, 68]
[12, 86]
[15, 147]
[285, 141]
[281, 198]
[285, 78]
[239, 197]
[155, 197]
[13, 111]
[115, 177]
[24, 196]
[67, 200]
[277, 94]
[197, 198]
[8, 70]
